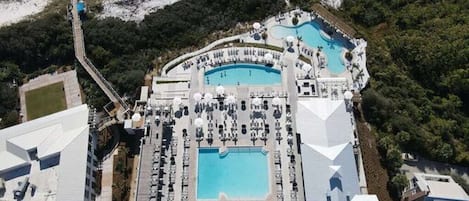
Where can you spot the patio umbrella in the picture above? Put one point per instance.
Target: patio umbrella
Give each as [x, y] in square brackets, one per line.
[290, 39]
[268, 56]
[307, 67]
[136, 117]
[220, 90]
[230, 99]
[256, 25]
[208, 97]
[199, 122]
[348, 95]
[256, 101]
[276, 101]
[197, 97]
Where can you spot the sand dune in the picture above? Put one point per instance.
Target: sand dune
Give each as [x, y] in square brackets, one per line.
[14, 11]
[132, 10]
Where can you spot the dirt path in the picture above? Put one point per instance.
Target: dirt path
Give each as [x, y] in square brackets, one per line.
[376, 175]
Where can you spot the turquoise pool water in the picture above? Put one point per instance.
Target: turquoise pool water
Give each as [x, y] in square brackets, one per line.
[310, 32]
[242, 173]
[242, 74]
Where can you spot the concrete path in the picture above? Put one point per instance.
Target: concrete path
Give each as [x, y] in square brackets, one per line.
[431, 167]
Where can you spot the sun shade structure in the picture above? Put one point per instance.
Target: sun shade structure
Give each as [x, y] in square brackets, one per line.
[307, 67]
[256, 25]
[276, 101]
[136, 117]
[197, 97]
[256, 101]
[348, 95]
[290, 39]
[220, 90]
[230, 99]
[199, 122]
[208, 97]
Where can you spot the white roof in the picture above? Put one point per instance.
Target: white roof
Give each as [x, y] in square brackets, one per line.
[329, 171]
[440, 186]
[64, 136]
[365, 198]
[329, 118]
[329, 167]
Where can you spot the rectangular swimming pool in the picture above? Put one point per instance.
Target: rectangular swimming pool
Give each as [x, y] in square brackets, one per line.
[239, 173]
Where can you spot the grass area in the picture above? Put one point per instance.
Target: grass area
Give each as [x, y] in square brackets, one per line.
[45, 100]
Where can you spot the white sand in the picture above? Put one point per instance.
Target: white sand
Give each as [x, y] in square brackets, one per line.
[132, 10]
[12, 11]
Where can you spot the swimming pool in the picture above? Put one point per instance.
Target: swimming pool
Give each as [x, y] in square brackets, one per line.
[242, 74]
[310, 33]
[240, 173]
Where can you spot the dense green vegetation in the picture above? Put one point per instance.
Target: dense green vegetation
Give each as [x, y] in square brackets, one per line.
[124, 51]
[418, 57]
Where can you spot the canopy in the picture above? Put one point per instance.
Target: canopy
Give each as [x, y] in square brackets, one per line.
[256, 101]
[276, 101]
[220, 90]
[199, 122]
[136, 117]
[348, 95]
[290, 38]
[268, 56]
[230, 99]
[307, 67]
[197, 96]
[256, 25]
[177, 101]
[208, 97]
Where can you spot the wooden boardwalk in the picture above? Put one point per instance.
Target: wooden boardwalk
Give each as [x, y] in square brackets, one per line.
[333, 20]
[80, 54]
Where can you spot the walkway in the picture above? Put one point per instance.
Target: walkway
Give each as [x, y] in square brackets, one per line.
[200, 51]
[80, 54]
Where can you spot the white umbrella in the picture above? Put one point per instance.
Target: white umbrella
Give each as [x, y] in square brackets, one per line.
[199, 122]
[348, 95]
[256, 101]
[256, 25]
[197, 97]
[177, 101]
[220, 90]
[230, 99]
[290, 39]
[136, 117]
[276, 101]
[307, 67]
[268, 56]
[208, 97]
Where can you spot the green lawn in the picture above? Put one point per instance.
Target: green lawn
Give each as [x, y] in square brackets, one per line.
[45, 100]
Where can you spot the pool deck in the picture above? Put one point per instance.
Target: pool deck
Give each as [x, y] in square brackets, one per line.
[178, 179]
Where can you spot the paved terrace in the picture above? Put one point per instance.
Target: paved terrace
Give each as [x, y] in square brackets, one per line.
[71, 88]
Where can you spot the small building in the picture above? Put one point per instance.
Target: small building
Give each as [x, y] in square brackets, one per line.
[431, 187]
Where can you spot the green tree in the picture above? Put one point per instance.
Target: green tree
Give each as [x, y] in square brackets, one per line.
[399, 182]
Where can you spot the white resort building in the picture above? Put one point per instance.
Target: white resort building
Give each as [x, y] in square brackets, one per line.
[431, 187]
[49, 158]
[265, 115]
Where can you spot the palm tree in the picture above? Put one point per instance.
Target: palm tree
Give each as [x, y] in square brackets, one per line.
[264, 37]
[300, 39]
